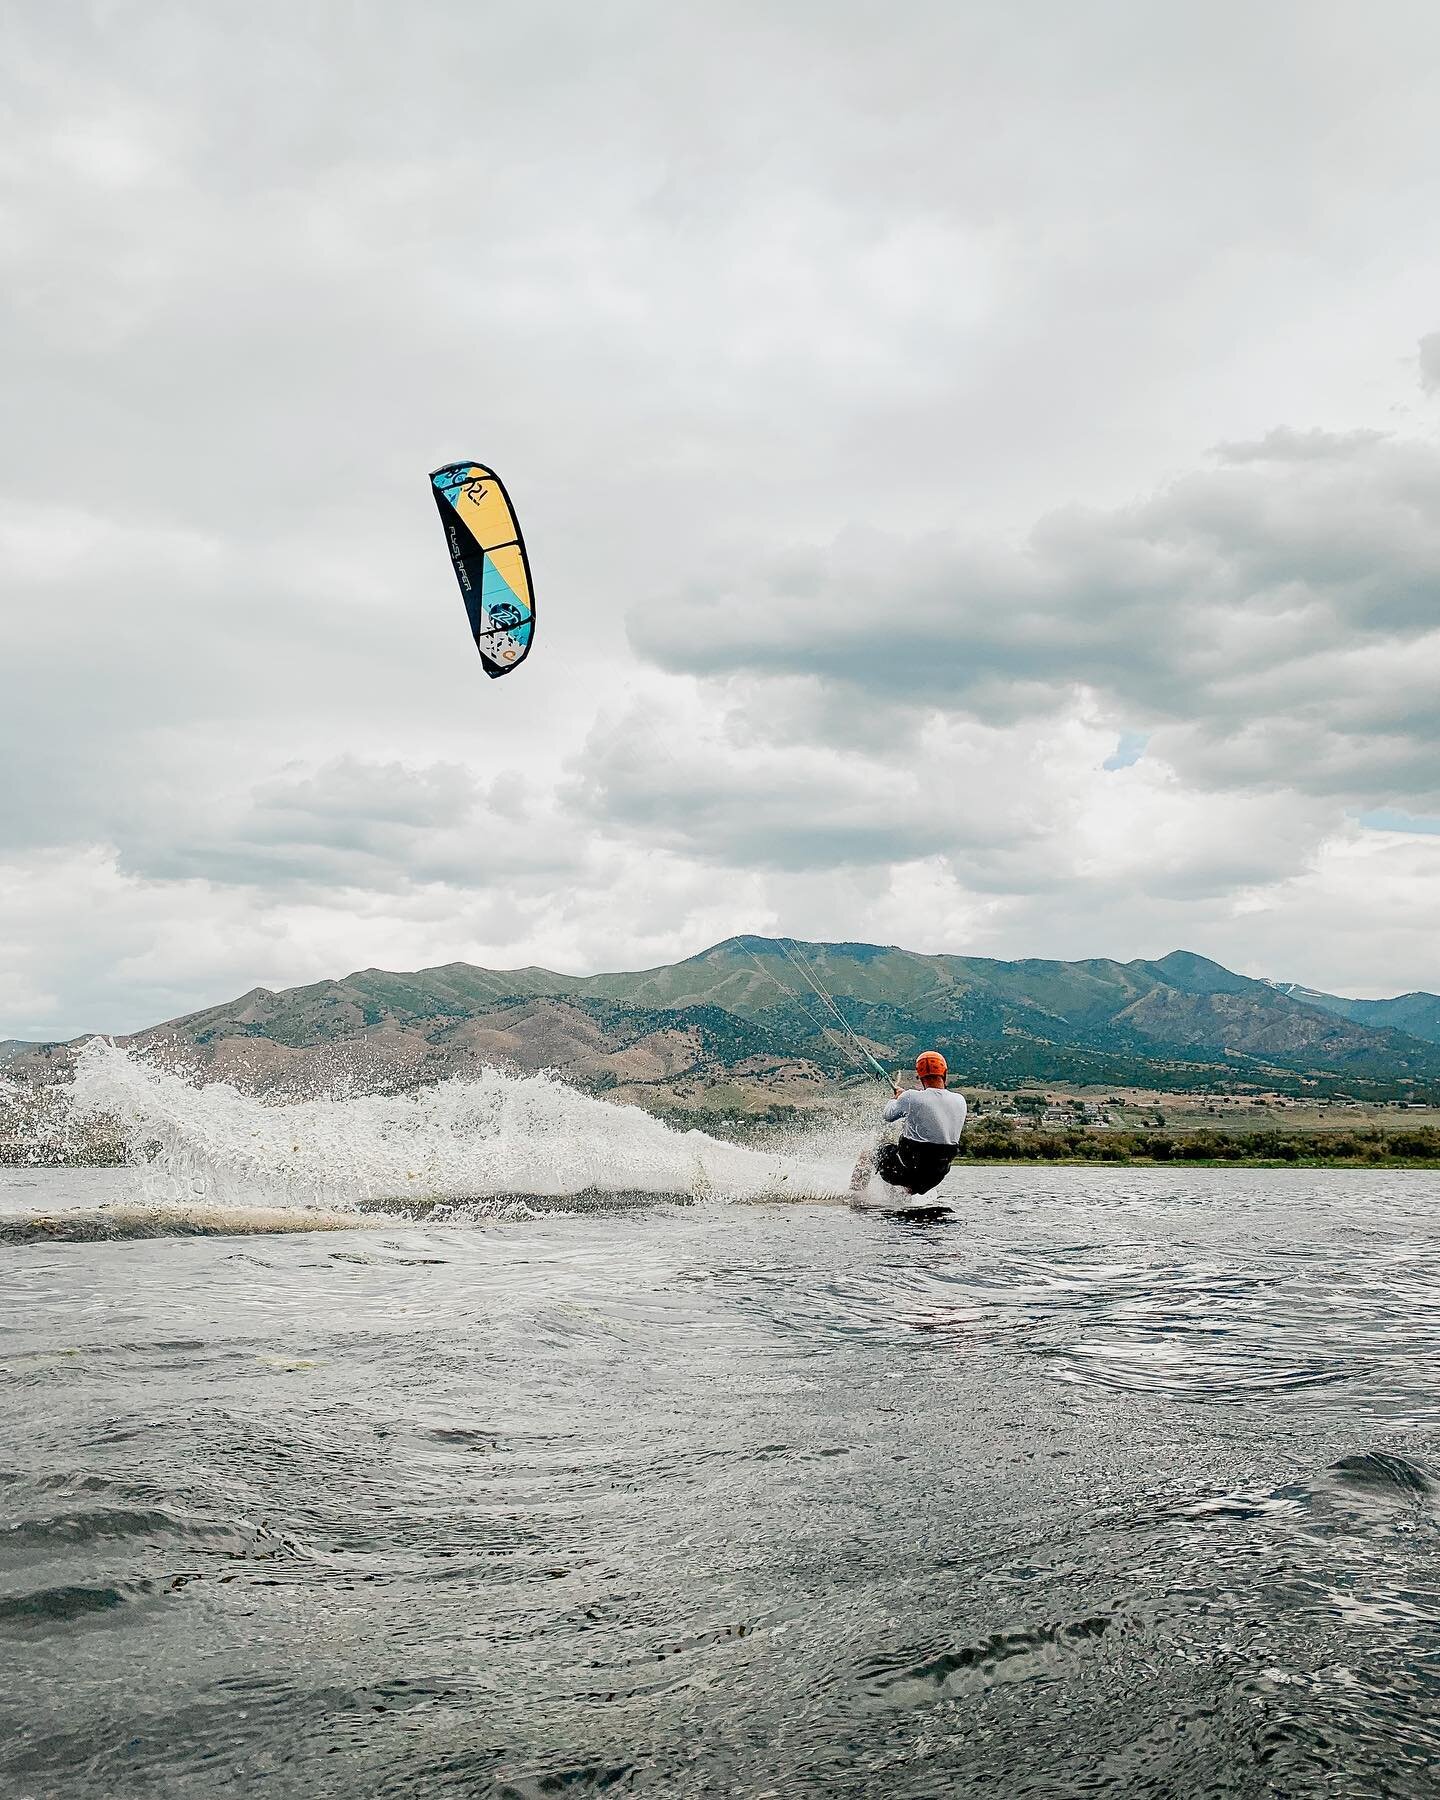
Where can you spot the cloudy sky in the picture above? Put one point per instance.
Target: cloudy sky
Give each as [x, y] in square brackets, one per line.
[981, 467]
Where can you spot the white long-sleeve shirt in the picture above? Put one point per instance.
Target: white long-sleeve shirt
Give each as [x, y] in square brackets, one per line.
[931, 1115]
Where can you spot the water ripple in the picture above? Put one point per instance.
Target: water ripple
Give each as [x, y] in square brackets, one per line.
[1126, 1487]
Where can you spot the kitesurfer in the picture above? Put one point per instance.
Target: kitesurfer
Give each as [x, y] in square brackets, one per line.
[931, 1121]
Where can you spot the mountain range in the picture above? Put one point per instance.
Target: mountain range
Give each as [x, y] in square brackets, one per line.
[1417, 1013]
[757, 1021]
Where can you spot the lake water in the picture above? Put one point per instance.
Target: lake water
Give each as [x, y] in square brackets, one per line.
[1122, 1483]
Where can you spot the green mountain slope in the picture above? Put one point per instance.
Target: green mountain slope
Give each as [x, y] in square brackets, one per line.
[1182, 1007]
[1417, 1013]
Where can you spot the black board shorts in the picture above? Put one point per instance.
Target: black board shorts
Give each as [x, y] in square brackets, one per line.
[914, 1166]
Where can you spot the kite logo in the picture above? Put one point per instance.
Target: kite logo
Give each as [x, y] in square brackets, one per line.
[457, 556]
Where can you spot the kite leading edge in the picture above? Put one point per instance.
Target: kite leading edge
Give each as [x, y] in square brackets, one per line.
[488, 556]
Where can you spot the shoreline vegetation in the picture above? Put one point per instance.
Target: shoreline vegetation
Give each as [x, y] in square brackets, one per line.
[1414, 1146]
[991, 1141]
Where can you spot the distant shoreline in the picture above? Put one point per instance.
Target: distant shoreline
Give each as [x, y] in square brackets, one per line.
[1404, 1149]
[1150, 1162]
[1351, 1147]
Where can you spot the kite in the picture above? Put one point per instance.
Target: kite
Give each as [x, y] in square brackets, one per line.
[490, 563]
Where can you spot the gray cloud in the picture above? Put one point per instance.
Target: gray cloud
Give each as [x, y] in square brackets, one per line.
[1280, 612]
[356, 826]
[713, 792]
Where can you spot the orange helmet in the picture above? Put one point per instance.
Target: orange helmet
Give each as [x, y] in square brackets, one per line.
[930, 1067]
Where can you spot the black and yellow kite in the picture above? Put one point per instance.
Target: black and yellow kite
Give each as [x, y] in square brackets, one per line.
[490, 563]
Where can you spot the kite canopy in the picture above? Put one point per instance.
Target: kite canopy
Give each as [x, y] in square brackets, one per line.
[490, 564]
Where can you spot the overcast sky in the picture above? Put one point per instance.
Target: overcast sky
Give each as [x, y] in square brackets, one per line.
[980, 463]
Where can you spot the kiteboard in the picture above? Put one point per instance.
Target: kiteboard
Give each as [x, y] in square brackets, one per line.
[908, 1209]
[870, 1192]
[878, 1196]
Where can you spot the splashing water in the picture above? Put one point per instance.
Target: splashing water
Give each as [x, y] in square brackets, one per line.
[490, 1144]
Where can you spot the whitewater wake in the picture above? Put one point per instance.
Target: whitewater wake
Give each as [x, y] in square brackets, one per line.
[492, 1145]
